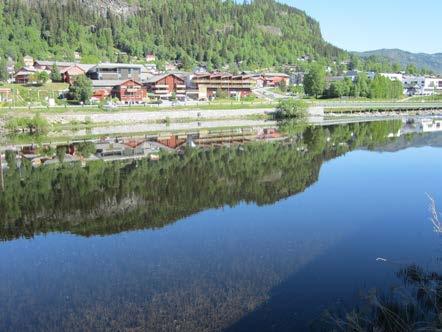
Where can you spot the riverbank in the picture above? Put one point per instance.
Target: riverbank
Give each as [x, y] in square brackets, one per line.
[80, 124]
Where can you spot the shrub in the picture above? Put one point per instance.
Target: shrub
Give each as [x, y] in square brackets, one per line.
[36, 124]
[291, 109]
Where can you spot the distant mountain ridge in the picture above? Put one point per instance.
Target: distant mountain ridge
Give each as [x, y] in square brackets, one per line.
[420, 60]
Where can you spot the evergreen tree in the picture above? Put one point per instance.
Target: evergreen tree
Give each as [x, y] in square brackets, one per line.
[55, 74]
[3, 70]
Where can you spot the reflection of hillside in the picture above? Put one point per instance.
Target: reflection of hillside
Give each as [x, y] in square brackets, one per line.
[105, 198]
[413, 140]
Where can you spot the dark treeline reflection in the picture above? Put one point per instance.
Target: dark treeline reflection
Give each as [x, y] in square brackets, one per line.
[106, 198]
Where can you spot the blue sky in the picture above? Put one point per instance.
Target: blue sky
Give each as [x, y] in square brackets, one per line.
[362, 25]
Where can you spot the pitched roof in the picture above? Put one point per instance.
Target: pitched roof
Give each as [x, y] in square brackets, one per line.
[275, 74]
[110, 83]
[118, 65]
[57, 63]
[85, 66]
[106, 83]
[26, 71]
[157, 78]
[222, 75]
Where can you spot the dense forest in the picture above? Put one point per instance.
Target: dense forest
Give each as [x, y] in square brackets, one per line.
[105, 198]
[255, 34]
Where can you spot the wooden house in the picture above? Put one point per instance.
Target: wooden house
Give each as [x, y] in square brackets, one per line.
[164, 86]
[127, 91]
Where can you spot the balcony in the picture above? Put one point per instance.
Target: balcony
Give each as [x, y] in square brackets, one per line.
[225, 82]
[161, 92]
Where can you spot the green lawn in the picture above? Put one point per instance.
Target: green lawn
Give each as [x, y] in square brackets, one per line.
[426, 98]
[23, 95]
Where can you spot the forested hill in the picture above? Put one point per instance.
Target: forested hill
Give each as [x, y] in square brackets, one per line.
[420, 60]
[260, 33]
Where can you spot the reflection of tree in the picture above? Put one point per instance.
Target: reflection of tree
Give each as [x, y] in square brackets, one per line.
[105, 198]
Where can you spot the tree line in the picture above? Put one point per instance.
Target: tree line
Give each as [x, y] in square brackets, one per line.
[380, 87]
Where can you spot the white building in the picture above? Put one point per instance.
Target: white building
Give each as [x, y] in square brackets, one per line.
[432, 85]
[422, 85]
[393, 76]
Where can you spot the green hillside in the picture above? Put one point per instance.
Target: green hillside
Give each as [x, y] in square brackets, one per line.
[432, 62]
[261, 33]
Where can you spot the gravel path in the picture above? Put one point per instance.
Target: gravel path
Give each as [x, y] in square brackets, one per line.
[134, 116]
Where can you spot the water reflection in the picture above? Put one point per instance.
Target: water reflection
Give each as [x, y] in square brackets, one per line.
[236, 253]
[104, 198]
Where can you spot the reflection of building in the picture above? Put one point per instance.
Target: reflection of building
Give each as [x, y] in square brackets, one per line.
[208, 138]
[208, 84]
[427, 125]
[431, 125]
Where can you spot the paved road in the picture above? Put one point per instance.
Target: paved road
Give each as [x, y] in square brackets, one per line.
[268, 94]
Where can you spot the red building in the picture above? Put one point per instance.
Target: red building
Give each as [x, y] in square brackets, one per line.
[47, 65]
[276, 79]
[163, 86]
[67, 70]
[127, 91]
[68, 75]
[23, 76]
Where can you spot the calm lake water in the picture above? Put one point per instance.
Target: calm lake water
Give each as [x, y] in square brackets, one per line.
[261, 238]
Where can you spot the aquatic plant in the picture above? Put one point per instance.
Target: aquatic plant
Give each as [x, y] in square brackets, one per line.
[415, 306]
